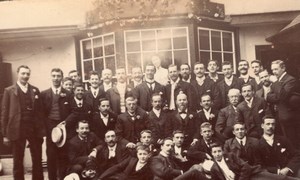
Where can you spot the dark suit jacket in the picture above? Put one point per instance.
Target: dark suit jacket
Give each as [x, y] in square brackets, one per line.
[212, 121]
[270, 106]
[252, 116]
[187, 89]
[233, 146]
[126, 170]
[240, 168]
[208, 87]
[91, 100]
[99, 128]
[163, 168]
[114, 98]
[144, 94]
[220, 78]
[159, 124]
[226, 118]
[281, 154]
[11, 116]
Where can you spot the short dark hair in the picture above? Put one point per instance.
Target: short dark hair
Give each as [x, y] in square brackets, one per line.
[94, 73]
[178, 132]
[155, 94]
[102, 99]
[247, 84]
[76, 85]
[197, 63]
[72, 71]
[214, 145]
[256, 61]
[243, 60]
[143, 147]
[67, 79]
[150, 64]
[82, 121]
[57, 70]
[212, 60]
[23, 66]
[166, 139]
[238, 122]
[227, 63]
[145, 131]
[268, 116]
[186, 64]
[172, 65]
[203, 95]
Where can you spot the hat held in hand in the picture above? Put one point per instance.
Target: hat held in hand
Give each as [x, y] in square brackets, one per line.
[59, 135]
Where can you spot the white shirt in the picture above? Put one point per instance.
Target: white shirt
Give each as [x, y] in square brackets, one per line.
[214, 78]
[257, 79]
[136, 83]
[172, 100]
[122, 90]
[188, 80]
[107, 86]
[200, 81]
[161, 76]
[245, 77]
[249, 103]
[281, 76]
[207, 113]
[22, 87]
[156, 112]
[229, 175]
[177, 150]
[241, 140]
[139, 166]
[112, 151]
[269, 139]
[150, 83]
[79, 102]
[228, 81]
[266, 91]
[56, 90]
[183, 116]
[104, 119]
[94, 92]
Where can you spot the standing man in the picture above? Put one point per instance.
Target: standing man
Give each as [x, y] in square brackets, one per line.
[144, 91]
[74, 74]
[212, 68]
[207, 113]
[137, 76]
[21, 121]
[161, 74]
[256, 67]
[107, 80]
[280, 94]
[56, 109]
[243, 70]
[185, 72]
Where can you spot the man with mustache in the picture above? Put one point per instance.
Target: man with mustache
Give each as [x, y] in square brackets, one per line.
[20, 121]
[256, 66]
[185, 72]
[212, 68]
[243, 68]
[106, 77]
[137, 77]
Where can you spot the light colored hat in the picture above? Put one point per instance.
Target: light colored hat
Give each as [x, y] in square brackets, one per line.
[72, 176]
[59, 135]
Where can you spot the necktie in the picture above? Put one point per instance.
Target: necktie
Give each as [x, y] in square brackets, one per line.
[95, 93]
[79, 105]
[56, 92]
[243, 151]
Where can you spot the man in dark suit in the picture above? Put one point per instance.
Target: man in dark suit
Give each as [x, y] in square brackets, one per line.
[103, 120]
[276, 153]
[243, 68]
[178, 86]
[241, 145]
[212, 68]
[82, 147]
[185, 72]
[251, 111]
[183, 119]
[204, 85]
[280, 94]
[137, 77]
[228, 82]
[20, 121]
[93, 95]
[163, 166]
[207, 113]
[106, 77]
[228, 115]
[118, 93]
[257, 67]
[56, 109]
[144, 91]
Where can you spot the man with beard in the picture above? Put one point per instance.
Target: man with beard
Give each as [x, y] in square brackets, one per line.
[161, 74]
[178, 86]
[228, 115]
[103, 120]
[243, 68]
[204, 85]
[212, 68]
[183, 119]
[256, 66]
[82, 148]
[185, 72]
[20, 121]
[106, 77]
[207, 112]
[276, 153]
[251, 111]
[144, 91]
[137, 77]
[118, 93]
[93, 95]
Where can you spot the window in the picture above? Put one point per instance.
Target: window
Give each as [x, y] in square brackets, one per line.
[97, 53]
[171, 44]
[217, 45]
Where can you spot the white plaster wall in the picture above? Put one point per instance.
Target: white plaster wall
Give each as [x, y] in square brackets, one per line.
[41, 55]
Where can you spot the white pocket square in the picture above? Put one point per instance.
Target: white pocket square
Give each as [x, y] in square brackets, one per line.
[260, 111]
[282, 150]
[66, 103]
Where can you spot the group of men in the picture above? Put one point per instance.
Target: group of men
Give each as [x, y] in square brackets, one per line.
[166, 124]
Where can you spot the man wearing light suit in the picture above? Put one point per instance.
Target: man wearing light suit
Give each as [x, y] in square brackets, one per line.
[21, 121]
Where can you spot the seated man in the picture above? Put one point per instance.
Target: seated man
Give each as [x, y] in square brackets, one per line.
[241, 145]
[131, 168]
[147, 140]
[82, 148]
[276, 153]
[231, 167]
[207, 112]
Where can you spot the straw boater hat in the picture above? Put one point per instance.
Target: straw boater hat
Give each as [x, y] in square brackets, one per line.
[59, 135]
[72, 176]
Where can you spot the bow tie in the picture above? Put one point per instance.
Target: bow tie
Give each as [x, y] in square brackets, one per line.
[182, 112]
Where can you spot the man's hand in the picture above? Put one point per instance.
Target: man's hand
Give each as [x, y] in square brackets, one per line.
[6, 141]
[93, 154]
[284, 171]
[130, 145]
[194, 142]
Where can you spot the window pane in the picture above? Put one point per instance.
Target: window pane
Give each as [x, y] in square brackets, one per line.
[148, 45]
[228, 57]
[108, 40]
[99, 66]
[87, 49]
[98, 49]
[216, 40]
[217, 56]
[166, 58]
[204, 57]
[87, 67]
[133, 60]
[133, 46]
[227, 41]
[164, 44]
[163, 33]
[147, 58]
[180, 57]
[111, 63]
[180, 43]
[146, 35]
[204, 39]
[132, 36]
[109, 50]
[179, 32]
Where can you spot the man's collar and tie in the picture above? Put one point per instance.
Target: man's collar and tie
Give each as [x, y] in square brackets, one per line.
[182, 113]
[249, 103]
[174, 83]
[55, 90]
[107, 86]
[95, 91]
[24, 88]
[187, 80]
[112, 151]
[150, 84]
[139, 166]
[245, 77]
[242, 142]
[266, 89]
[269, 139]
[228, 81]
[200, 81]
[104, 118]
[79, 102]
[282, 75]
[157, 112]
[214, 78]
[207, 113]
[229, 175]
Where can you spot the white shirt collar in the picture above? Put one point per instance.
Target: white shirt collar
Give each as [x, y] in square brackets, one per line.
[245, 77]
[214, 78]
[107, 86]
[24, 88]
[207, 113]
[200, 80]
[156, 112]
[249, 103]
[103, 117]
[269, 139]
[78, 101]
[282, 75]
[228, 81]
[54, 89]
[177, 150]
[112, 148]
[239, 140]
[188, 80]
[176, 82]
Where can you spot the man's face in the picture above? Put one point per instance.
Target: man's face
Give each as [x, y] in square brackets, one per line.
[185, 71]
[167, 147]
[206, 102]
[146, 139]
[74, 76]
[95, 81]
[106, 75]
[156, 102]
[110, 138]
[121, 75]
[68, 85]
[104, 107]
[23, 75]
[56, 78]
[268, 126]
[256, 68]
[181, 102]
[83, 129]
[178, 139]
[212, 67]
[142, 155]
[277, 70]
[239, 131]
[131, 106]
[206, 133]
[156, 61]
[217, 153]
[137, 74]
[264, 78]
[234, 99]
[243, 67]
[199, 70]
[149, 72]
[227, 70]
[247, 92]
[78, 92]
[173, 73]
